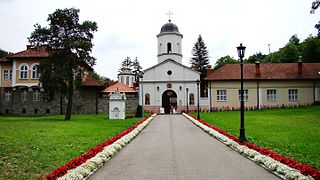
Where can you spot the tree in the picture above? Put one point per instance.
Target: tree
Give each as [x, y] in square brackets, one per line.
[256, 57]
[4, 53]
[126, 64]
[70, 44]
[315, 5]
[199, 62]
[311, 49]
[97, 77]
[224, 60]
[137, 69]
[200, 59]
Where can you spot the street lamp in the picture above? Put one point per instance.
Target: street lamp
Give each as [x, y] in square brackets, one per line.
[198, 81]
[242, 138]
[142, 96]
[187, 90]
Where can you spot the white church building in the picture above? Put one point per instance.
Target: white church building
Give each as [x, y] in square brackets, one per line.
[170, 85]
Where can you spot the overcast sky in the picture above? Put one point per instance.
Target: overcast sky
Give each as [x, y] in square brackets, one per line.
[129, 27]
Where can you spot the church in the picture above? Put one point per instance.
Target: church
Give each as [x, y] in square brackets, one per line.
[169, 86]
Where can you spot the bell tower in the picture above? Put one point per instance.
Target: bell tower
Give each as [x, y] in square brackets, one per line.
[169, 43]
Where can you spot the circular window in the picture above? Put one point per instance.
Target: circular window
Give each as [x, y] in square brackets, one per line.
[169, 72]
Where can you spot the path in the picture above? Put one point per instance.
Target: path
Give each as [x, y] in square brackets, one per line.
[171, 147]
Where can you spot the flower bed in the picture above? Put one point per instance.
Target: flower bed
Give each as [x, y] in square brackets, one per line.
[83, 165]
[271, 160]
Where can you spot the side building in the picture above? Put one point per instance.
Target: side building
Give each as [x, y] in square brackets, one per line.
[21, 93]
[265, 85]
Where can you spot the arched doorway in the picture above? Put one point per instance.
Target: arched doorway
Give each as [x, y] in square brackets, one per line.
[169, 98]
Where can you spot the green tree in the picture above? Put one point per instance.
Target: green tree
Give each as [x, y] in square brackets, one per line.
[311, 49]
[96, 76]
[126, 64]
[200, 59]
[70, 44]
[4, 53]
[199, 62]
[256, 57]
[224, 60]
[137, 69]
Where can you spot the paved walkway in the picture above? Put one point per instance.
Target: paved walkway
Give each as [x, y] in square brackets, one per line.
[171, 147]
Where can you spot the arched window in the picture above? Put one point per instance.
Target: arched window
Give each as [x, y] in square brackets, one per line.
[147, 99]
[127, 81]
[23, 71]
[191, 99]
[179, 50]
[169, 48]
[35, 73]
[122, 79]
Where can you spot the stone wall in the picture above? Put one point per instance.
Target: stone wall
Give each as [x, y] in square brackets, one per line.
[87, 100]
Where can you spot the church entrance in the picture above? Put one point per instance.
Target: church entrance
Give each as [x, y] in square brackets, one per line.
[169, 101]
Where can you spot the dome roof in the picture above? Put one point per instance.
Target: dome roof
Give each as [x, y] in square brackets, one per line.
[169, 27]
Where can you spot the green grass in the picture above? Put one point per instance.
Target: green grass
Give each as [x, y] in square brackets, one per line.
[293, 133]
[33, 146]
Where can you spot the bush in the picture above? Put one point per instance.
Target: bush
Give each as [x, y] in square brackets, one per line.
[139, 111]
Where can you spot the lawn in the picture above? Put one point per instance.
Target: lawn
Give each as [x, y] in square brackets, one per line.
[293, 133]
[33, 146]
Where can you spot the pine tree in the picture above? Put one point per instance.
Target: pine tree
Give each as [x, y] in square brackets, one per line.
[137, 69]
[126, 64]
[199, 62]
[200, 59]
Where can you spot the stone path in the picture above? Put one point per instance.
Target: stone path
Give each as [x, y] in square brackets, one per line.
[171, 147]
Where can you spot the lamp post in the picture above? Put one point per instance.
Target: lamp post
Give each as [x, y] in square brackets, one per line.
[187, 94]
[142, 104]
[242, 138]
[198, 81]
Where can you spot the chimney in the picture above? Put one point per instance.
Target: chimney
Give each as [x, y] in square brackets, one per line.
[300, 67]
[209, 70]
[257, 63]
[29, 47]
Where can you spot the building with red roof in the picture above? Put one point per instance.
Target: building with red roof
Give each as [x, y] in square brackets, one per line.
[265, 85]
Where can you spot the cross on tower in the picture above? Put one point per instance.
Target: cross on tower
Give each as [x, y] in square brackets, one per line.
[169, 14]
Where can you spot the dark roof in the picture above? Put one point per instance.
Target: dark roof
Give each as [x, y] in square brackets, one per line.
[275, 71]
[89, 81]
[120, 87]
[33, 52]
[169, 27]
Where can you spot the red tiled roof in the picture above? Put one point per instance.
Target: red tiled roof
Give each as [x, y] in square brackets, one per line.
[89, 81]
[31, 52]
[119, 87]
[3, 59]
[275, 71]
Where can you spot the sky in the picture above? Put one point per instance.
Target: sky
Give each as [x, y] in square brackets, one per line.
[129, 27]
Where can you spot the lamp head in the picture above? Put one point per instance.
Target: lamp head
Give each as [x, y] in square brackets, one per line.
[241, 50]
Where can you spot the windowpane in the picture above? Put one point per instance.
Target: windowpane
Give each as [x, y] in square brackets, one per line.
[272, 95]
[24, 95]
[23, 72]
[147, 99]
[7, 96]
[245, 95]
[293, 94]
[221, 95]
[35, 73]
[191, 99]
[36, 95]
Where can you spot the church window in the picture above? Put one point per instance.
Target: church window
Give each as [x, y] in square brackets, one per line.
[169, 72]
[191, 99]
[178, 47]
[23, 72]
[147, 99]
[158, 88]
[169, 48]
[121, 79]
[127, 81]
[35, 73]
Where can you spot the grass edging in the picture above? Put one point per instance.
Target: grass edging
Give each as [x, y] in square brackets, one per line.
[272, 161]
[83, 166]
